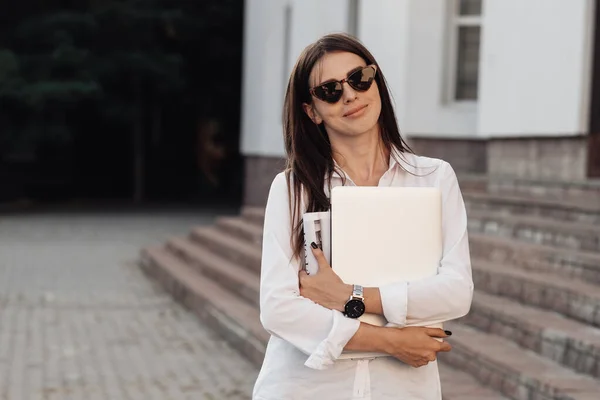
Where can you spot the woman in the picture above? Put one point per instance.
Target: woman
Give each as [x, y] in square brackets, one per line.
[340, 129]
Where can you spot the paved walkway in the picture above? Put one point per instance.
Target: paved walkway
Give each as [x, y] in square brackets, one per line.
[78, 319]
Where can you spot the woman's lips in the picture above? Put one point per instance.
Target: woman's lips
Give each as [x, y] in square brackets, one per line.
[355, 111]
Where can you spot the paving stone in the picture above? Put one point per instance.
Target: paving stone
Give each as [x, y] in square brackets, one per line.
[80, 321]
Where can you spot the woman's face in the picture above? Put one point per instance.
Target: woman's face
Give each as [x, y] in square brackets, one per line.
[356, 112]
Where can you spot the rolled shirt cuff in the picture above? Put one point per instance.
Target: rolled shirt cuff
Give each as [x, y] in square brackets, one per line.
[329, 350]
[394, 302]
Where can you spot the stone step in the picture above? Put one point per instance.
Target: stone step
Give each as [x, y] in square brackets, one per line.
[562, 234]
[587, 191]
[458, 385]
[568, 342]
[580, 217]
[583, 192]
[254, 214]
[573, 264]
[239, 323]
[572, 298]
[516, 373]
[584, 195]
[241, 228]
[232, 317]
[229, 247]
[473, 183]
[516, 204]
[231, 276]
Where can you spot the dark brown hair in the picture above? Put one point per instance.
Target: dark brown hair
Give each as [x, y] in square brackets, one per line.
[309, 154]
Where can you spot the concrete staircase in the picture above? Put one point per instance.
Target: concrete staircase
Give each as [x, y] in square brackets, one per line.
[534, 328]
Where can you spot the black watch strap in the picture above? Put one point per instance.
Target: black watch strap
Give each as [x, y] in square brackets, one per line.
[355, 306]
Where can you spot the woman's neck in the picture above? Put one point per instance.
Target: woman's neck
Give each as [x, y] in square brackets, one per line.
[364, 158]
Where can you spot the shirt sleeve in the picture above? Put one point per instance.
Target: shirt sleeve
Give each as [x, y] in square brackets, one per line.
[315, 330]
[447, 295]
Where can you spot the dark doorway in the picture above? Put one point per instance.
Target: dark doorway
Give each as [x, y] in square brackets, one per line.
[127, 101]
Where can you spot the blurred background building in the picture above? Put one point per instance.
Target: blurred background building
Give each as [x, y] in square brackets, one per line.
[507, 88]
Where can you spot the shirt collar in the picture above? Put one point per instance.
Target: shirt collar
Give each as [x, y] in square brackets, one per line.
[392, 163]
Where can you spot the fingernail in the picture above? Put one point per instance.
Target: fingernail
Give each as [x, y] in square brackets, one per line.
[448, 333]
[313, 245]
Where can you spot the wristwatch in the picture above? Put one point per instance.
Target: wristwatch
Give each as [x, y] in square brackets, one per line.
[355, 306]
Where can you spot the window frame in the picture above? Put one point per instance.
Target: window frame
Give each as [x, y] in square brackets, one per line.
[455, 21]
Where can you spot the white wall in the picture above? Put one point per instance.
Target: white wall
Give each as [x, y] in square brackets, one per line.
[427, 112]
[312, 19]
[535, 64]
[267, 62]
[262, 86]
[383, 27]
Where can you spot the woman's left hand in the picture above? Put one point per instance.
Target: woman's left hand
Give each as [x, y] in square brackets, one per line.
[325, 287]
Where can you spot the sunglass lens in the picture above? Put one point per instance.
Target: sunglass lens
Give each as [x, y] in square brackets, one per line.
[362, 80]
[329, 92]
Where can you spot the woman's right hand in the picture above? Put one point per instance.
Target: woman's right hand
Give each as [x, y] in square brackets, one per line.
[416, 346]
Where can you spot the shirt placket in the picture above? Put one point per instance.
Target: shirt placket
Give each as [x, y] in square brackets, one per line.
[362, 381]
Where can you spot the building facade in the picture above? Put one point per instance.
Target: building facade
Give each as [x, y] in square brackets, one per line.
[503, 87]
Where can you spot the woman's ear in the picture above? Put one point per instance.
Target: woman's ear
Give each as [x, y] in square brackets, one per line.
[312, 113]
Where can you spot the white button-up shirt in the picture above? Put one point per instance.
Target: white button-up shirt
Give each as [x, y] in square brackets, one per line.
[306, 339]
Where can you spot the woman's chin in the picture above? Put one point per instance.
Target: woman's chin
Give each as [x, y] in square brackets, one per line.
[363, 129]
[355, 129]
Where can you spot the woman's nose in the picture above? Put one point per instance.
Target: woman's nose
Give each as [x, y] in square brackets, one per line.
[349, 94]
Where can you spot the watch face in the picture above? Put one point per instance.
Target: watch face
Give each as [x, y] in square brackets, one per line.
[355, 308]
